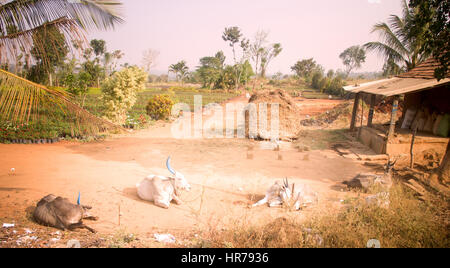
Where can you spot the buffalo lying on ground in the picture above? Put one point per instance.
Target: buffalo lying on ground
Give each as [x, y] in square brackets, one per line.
[60, 213]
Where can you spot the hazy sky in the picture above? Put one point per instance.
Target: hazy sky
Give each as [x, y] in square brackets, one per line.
[191, 29]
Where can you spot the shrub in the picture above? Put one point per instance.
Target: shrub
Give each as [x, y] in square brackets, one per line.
[119, 93]
[159, 107]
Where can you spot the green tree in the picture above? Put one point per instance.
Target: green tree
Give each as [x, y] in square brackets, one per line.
[304, 68]
[247, 72]
[94, 67]
[78, 84]
[107, 61]
[397, 43]
[99, 48]
[48, 54]
[211, 69]
[432, 19]
[352, 58]
[233, 36]
[180, 69]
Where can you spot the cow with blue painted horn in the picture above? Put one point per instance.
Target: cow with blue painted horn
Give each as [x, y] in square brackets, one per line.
[60, 213]
[163, 190]
[287, 194]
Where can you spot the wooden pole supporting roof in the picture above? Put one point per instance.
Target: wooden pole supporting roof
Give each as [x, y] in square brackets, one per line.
[373, 99]
[355, 110]
[393, 118]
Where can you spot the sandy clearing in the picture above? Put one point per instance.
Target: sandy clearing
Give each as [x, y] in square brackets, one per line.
[224, 180]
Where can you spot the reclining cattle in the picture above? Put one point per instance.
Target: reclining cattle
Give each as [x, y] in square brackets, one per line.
[287, 194]
[163, 190]
[58, 212]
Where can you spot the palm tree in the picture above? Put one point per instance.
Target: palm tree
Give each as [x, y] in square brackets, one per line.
[180, 70]
[22, 100]
[397, 45]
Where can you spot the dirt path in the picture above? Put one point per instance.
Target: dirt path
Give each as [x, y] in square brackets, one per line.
[224, 179]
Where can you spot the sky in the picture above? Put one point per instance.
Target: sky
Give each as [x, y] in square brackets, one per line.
[191, 29]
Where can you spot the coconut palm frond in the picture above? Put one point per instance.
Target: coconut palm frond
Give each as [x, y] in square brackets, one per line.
[408, 13]
[399, 41]
[89, 14]
[19, 19]
[102, 14]
[386, 51]
[22, 101]
[24, 41]
[398, 26]
[390, 38]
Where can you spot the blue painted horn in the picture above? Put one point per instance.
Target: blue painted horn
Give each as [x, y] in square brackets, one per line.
[79, 199]
[169, 167]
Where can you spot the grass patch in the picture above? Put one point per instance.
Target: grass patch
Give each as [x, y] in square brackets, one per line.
[57, 124]
[407, 223]
[121, 239]
[178, 95]
[319, 139]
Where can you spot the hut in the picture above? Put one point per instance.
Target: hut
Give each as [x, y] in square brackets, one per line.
[426, 112]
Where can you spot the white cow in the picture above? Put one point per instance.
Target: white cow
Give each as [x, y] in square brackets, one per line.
[163, 190]
[286, 194]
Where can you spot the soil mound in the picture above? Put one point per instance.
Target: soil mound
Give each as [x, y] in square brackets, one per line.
[342, 111]
[289, 115]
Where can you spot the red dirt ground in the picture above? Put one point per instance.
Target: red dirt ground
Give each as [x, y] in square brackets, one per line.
[225, 181]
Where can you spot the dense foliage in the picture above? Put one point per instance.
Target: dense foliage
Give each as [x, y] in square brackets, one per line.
[159, 107]
[119, 93]
[433, 19]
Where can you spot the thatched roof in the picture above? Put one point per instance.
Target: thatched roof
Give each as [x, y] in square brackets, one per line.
[424, 70]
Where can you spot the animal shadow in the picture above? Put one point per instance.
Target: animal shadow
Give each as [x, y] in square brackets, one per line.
[253, 198]
[339, 187]
[131, 193]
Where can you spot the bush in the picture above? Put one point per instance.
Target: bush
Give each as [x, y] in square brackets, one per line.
[159, 107]
[119, 93]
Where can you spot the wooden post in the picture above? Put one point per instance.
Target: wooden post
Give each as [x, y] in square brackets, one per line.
[393, 118]
[412, 148]
[355, 110]
[372, 110]
[362, 119]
